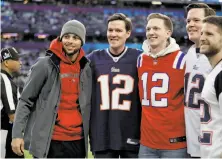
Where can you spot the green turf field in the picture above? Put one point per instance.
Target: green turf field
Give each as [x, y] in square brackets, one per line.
[27, 155]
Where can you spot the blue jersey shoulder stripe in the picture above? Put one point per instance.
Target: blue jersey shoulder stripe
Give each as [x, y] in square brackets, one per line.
[180, 61]
[139, 61]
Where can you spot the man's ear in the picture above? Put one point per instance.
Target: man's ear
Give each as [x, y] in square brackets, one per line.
[5, 63]
[128, 34]
[169, 33]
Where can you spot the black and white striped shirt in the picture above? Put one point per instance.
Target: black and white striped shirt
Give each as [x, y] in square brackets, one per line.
[9, 98]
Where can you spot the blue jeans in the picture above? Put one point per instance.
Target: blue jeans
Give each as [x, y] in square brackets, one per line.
[146, 152]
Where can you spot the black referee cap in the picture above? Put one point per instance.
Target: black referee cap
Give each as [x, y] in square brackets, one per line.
[9, 53]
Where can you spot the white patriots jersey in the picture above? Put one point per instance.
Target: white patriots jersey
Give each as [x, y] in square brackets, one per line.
[191, 58]
[197, 68]
[211, 115]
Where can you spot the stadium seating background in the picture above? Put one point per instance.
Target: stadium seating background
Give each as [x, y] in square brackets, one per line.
[30, 26]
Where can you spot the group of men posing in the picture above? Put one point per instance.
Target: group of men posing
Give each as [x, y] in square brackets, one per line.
[130, 103]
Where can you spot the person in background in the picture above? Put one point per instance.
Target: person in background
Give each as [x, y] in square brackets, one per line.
[116, 110]
[54, 108]
[161, 81]
[10, 67]
[211, 109]
[197, 68]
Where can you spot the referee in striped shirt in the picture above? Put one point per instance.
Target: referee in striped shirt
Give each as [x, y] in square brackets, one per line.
[10, 65]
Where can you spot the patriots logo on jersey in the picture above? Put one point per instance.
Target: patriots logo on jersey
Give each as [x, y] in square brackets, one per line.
[113, 69]
[155, 61]
[195, 67]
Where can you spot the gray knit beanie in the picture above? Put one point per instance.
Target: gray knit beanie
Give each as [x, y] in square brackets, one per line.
[74, 27]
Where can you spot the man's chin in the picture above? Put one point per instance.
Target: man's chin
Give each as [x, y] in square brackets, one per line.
[16, 74]
[193, 38]
[204, 51]
[114, 47]
[71, 53]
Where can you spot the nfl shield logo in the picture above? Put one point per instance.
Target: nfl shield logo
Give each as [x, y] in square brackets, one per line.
[155, 62]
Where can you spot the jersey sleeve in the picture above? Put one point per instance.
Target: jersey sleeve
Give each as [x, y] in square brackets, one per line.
[218, 88]
[139, 51]
[90, 55]
[7, 95]
[179, 62]
[139, 60]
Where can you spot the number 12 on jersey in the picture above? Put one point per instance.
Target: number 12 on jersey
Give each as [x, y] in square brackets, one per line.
[154, 91]
[115, 95]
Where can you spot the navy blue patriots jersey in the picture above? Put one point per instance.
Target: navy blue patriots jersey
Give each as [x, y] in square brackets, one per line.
[116, 109]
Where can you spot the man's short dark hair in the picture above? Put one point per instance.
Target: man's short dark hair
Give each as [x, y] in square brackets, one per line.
[123, 17]
[208, 11]
[215, 20]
